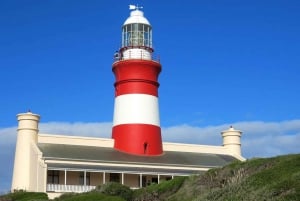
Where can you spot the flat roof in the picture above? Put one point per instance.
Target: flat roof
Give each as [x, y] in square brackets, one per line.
[181, 162]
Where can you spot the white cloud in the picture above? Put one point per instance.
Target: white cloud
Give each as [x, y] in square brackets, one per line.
[8, 136]
[259, 139]
[192, 134]
[102, 130]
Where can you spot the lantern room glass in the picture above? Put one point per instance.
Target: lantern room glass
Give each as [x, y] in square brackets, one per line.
[137, 35]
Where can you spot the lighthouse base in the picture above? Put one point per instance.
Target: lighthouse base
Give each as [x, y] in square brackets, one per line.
[138, 139]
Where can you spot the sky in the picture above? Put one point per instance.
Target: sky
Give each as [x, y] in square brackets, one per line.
[223, 63]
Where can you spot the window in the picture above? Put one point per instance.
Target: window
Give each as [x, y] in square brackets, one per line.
[53, 177]
[155, 180]
[114, 177]
[81, 178]
[136, 35]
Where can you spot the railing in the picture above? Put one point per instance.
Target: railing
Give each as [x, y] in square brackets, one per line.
[135, 54]
[69, 188]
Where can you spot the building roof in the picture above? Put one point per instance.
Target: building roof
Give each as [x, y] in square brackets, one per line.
[93, 158]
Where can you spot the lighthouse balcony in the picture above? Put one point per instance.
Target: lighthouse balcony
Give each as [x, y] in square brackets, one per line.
[136, 53]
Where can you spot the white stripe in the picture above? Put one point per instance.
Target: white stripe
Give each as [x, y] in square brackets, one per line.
[137, 54]
[136, 108]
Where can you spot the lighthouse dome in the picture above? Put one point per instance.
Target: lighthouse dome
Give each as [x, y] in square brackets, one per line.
[136, 16]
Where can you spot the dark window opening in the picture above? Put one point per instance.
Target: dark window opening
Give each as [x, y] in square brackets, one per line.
[155, 180]
[53, 177]
[114, 177]
[87, 179]
[145, 147]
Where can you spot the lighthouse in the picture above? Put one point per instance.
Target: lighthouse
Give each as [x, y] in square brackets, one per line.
[136, 125]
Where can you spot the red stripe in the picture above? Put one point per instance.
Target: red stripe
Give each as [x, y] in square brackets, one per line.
[136, 76]
[136, 87]
[138, 139]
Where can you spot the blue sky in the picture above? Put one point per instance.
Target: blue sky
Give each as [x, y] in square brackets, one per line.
[224, 63]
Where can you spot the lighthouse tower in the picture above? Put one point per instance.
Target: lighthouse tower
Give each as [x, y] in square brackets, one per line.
[136, 126]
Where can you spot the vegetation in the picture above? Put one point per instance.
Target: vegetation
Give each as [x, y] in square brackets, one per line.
[257, 179]
[24, 196]
[116, 189]
[158, 191]
[272, 179]
[90, 196]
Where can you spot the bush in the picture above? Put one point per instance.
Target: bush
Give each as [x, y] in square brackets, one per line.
[170, 186]
[25, 196]
[91, 196]
[116, 189]
[159, 191]
[65, 196]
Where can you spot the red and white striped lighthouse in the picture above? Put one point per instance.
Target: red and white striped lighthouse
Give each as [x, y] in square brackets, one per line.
[136, 126]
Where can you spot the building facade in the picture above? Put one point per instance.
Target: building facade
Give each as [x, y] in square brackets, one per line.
[58, 164]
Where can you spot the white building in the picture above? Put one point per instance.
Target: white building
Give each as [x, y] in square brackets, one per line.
[56, 163]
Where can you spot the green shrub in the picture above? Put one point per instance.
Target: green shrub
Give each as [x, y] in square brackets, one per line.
[168, 186]
[65, 196]
[25, 196]
[116, 189]
[159, 191]
[92, 196]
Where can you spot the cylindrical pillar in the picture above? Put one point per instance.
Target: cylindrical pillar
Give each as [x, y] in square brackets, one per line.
[136, 124]
[26, 135]
[232, 140]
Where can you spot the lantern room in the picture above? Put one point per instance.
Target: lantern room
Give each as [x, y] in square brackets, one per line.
[136, 31]
[136, 37]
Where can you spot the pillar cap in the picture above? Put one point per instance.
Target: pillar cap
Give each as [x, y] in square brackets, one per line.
[231, 130]
[28, 116]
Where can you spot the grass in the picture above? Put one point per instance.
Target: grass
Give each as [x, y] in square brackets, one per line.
[273, 179]
[90, 196]
[24, 196]
[159, 191]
